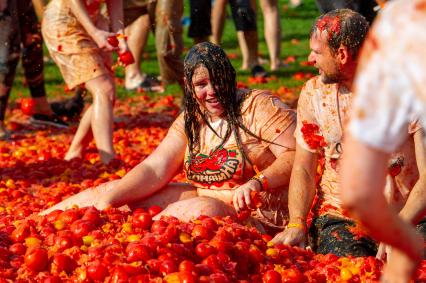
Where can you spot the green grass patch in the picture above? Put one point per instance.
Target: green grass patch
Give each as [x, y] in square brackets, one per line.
[295, 25]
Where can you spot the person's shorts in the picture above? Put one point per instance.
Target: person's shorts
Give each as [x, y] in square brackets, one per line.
[339, 236]
[200, 18]
[133, 9]
[243, 15]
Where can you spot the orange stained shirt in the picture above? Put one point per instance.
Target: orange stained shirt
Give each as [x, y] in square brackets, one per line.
[328, 106]
[221, 168]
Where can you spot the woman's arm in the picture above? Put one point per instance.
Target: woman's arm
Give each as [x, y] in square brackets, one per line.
[277, 174]
[142, 181]
[152, 174]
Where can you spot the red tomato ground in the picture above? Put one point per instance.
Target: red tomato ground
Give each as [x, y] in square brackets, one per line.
[87, 245]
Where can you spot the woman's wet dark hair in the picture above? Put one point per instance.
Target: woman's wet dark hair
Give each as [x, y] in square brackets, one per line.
[223, 78]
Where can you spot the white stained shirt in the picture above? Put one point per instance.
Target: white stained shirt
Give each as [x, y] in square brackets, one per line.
[390, 87]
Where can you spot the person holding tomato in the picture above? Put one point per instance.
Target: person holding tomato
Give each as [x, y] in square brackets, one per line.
[76, 36]
[236, 147]
[323, 108]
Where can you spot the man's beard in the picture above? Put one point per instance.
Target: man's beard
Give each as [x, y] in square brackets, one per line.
[332, 79]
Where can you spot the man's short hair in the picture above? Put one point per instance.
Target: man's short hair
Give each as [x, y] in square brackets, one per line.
[344, 27]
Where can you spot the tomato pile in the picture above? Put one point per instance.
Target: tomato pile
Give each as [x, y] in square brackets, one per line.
[87, 245]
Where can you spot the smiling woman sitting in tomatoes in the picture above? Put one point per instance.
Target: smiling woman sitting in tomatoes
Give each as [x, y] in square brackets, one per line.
[236, 147]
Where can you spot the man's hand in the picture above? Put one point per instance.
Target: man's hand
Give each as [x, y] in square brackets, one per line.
[242, 195]
[291, 236]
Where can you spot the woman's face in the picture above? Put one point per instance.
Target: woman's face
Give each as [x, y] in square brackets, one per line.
[204, 93]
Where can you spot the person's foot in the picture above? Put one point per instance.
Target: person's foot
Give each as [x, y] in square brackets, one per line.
[73, 154]
[106, 157]
[258, 72]
[146, 83]
[50, 120]
[295, 3]
[70, 108]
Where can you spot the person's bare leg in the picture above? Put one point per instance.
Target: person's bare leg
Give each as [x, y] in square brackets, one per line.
[189, 209]
[272, 30]
[103, 91]
[169, 194]
[218, 20]
[248, 41]
[137, 33]
[82, 137]
[101, 119]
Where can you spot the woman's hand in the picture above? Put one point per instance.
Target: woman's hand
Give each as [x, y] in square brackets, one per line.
[97, 197]
[101, 39]
[242, 195]
[293, 236]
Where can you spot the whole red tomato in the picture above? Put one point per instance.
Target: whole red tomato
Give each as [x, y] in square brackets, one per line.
[154, 210]
[20, 233]
[142, 220]
[203, 250]
[168, 266]
[209, 223]
[119, 275]
[272, 276]
[97, 271]
[201, 232]
[81, 228]
[159, 226]
[292, 275]
[126, 58]
[28, 106]
[213, 262]
[36, 259]
[63, 242]
[93, 215]
[138, 252]
[62, 262]
[187, 265]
